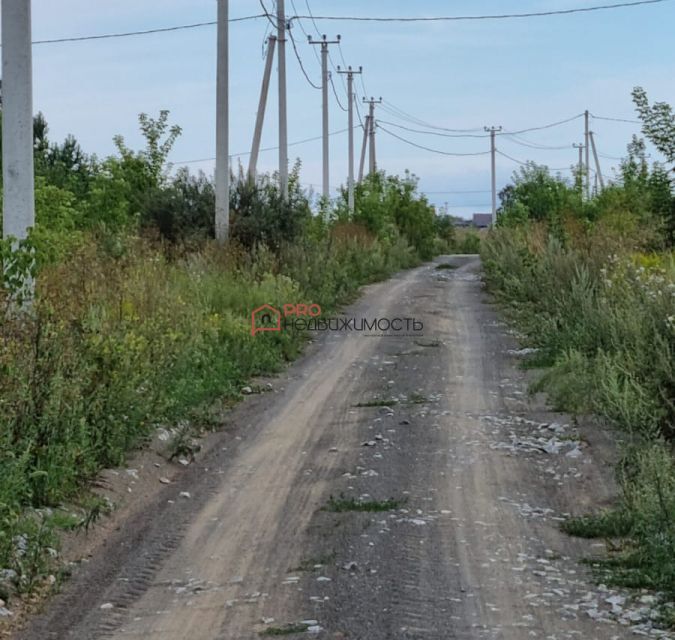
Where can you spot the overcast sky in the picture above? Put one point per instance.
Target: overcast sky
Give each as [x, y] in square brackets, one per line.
[462, 75]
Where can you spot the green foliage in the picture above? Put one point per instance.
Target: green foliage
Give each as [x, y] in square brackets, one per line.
[119, 341]
[599, 306]
[658, 123]
[262, 216]
[344, 504]
[537, 195]
[389, 206]
[139, 320]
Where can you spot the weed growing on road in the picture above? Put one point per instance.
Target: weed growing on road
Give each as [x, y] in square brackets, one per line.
[343, 504]
[384, 402]
[286, 630]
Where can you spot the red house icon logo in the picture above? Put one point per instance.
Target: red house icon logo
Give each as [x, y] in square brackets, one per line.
[265, 318]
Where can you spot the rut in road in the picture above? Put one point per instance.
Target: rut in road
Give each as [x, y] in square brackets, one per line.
[442, 425]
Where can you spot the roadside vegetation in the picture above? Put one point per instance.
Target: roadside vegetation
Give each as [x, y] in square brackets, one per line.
[590, 284]
[141, 320]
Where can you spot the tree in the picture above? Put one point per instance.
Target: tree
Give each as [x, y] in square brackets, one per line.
[658, 123]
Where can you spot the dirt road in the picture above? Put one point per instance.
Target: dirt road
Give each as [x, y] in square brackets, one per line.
[441, 425]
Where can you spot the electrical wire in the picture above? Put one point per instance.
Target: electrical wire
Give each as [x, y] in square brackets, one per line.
[337, 99]
[615, 119]
[419, 146]
[145, 32]
[316, 55]
[533, 145]
[299, 59]
[314, 18]
[268, 15]
[606, 157]
[403, 115]
[546, 126]
[248, 153]
[502, 16]
[525, 164]
[437, 133]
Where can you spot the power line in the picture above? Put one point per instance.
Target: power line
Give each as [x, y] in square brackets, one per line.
[145, 32]
[534, 145]
[311, 17]
[392, 109]
[246, 153]
[268, 15]
[316, 55]
[437, 133]
[314, 18]
[299, 59]
[615, 119]
[546, 126]
[502, 16]
[525, 164]
[606, 157]
[337, 99]
[419, 146]
[403, 115]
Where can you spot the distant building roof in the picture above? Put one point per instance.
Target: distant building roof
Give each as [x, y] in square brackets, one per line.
[482, 220]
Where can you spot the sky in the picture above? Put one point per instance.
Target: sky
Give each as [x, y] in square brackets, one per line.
[516, 74]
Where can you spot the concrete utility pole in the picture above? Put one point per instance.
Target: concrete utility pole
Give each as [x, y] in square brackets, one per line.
[17, 120]
[493, 147]
[325, 78]
[371, 133]
[598, 173]
[587, 143]
[366, 131]
[283, 115]
[581, 148]
[222, 222]
[262, 105]
[350, 91]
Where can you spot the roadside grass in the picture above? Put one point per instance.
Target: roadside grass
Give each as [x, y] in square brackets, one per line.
[607, 524]
[604, 327]
[122, 342]
[344, 504]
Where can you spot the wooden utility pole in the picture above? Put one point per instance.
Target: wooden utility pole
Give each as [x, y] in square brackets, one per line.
[371, 133]
[598, 173]
[325, 79]
[18, 202]
[493, 149]
[350, 91]
[366, 131]
[262, 105]
[587, 146]
[580, 146]
[283, 116]
[222, 221]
